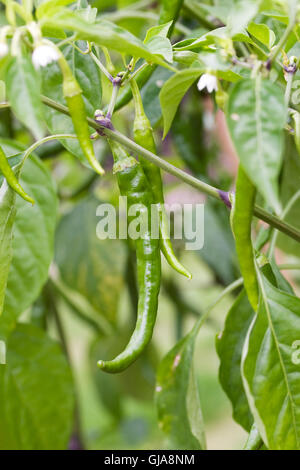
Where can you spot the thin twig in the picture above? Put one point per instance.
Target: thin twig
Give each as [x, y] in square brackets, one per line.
[189, 179]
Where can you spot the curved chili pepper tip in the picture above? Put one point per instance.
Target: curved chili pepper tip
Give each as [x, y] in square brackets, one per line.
[29, 199]
[97, 167]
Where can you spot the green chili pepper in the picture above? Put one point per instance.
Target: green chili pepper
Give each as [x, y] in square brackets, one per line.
[73, 95]
[11, 177]
[241, 218]
[134, 185]
[143, 136]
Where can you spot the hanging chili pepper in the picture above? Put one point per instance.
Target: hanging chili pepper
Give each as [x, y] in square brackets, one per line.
[241, 218]
[133, 184]
[73, 95]
[11, 177]
[143, 136]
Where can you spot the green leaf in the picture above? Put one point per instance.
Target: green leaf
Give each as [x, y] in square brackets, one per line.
[33, 235]
[160, 30]
[173, 91]
[289, 187]
[89, 79]
[271, 376]
[236, 14]
[7, 218]
[241, 12]
[169, 10]
[262, 33]
[23, 90]
[218, 36]
[88, 265]
[256, 115]
[36, 393]
[150, 94]
[50, 7]
[296, 120]
[103, 33]
[161, 46]
[219, 243]
[229, 348]
[177, 397]
[137, 381]
[157, 41]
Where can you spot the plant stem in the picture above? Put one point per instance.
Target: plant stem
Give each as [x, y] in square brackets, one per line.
[285, 36]
[234, 285]
[289, 267]
[287, 209]
[189, 179]
[113, 100]
[80, 306]
[43, 141]
[101, 67]
[288, 90]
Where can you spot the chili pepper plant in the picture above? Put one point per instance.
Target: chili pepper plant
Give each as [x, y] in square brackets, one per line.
[141, 341]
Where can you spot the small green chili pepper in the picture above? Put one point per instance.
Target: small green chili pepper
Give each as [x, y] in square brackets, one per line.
[11, 177]
[143, 136]
[133, 184]
[241, 218]
[73, 95]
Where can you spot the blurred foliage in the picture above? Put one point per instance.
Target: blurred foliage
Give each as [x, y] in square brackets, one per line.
[89, 302]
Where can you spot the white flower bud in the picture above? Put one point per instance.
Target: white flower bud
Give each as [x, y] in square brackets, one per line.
[208, 81]
[3, 49]
[44, 55]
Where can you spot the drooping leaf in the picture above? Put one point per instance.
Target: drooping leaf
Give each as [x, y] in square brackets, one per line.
[290, 187]
[7, 218]
[36, 393]
[218, 36]
[229, 347]
[33, 236]
[23, 90]
[104, 33]
[88, 265]
[270, 375]
[219, 243]
[256, 116]
[231, 342]
[177, 398]
[88, 76]
[262, 33]
[173, 91]
[150, 94]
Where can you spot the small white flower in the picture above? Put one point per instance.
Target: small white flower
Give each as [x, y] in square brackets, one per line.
[208, 81]
[44, 55]
[3, 49]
